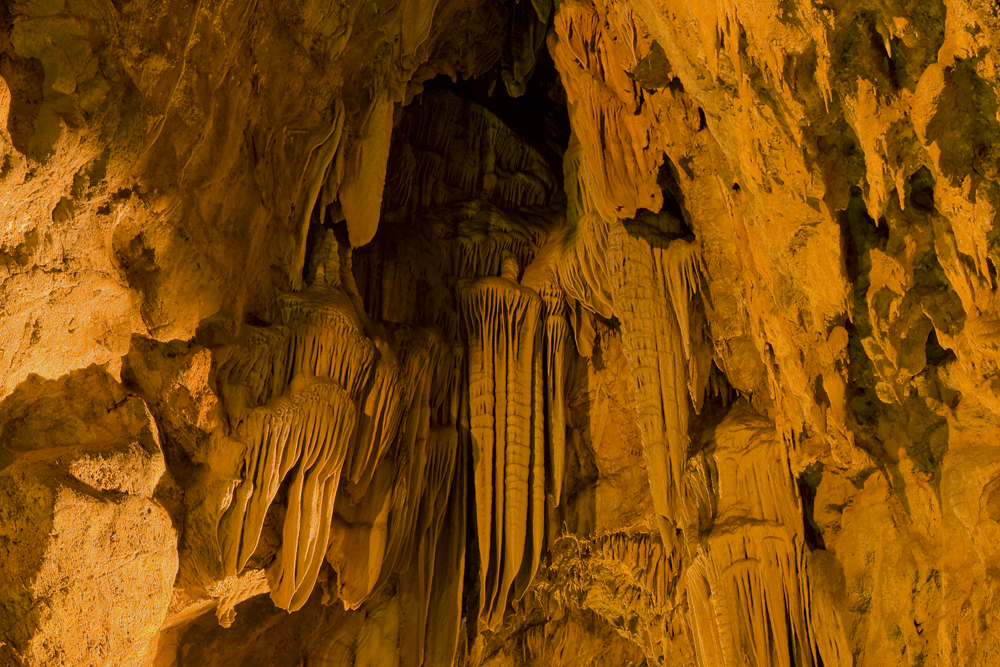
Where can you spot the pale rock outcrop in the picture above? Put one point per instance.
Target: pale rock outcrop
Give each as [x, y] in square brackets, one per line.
[89, 554]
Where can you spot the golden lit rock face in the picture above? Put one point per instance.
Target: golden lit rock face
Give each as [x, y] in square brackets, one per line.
[477, 333]
[90, 556]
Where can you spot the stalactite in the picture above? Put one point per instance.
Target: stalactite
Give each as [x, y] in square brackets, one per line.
[654, 345]
[416, 23]
[535, 524]
[556, 369]
[485, 235]
[502, 320]
[640, 563]
[253, 371]
[418, 585]
[444, 612]
[315, 181]
[311, 495]
[327, 338]
[462, 150]
[423, 400]
[359, 538]
[748, 579]
[585, 278]
[419, 350]
[606, 106]
[309, 432]
[645, 280]
[680, 266]
[317, 347]
[165, 177]
[378, 421]
[422, 546]
[364, 177]
[473, 239]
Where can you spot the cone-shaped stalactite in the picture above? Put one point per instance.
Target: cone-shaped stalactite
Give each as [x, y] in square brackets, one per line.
[503, 323]
[557, 337]
[645, 278]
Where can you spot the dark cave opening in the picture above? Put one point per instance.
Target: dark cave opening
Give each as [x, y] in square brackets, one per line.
[539, 115]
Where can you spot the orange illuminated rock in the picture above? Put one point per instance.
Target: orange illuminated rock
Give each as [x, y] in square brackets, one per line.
[480, 333]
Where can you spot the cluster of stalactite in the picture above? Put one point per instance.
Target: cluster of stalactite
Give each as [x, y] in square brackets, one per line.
[466, 285]
[316, 403]
[365, 411]
[447, 150]
[356, 436]
[751, 580]
[730, 515]
[404, 416]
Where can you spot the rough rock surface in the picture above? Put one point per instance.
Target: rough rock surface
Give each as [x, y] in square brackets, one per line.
[468, 332]
[89, 554]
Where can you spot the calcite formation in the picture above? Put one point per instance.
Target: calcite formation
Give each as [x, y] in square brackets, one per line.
[476, 333]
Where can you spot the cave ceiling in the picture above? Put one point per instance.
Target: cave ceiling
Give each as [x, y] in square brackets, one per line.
[490, 333]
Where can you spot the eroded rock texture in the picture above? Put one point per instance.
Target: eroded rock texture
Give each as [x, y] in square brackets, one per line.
[477, 333]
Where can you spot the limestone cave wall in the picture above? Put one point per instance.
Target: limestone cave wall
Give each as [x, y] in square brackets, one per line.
[486, 333]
